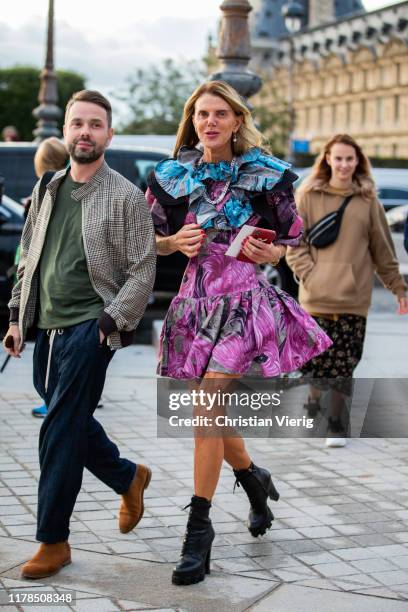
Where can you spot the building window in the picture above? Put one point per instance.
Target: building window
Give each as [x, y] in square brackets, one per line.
[348, 114]
[363, 112]
[325, 118]
[396, 108]
[347, 82]
[333, 116]
[380, 111]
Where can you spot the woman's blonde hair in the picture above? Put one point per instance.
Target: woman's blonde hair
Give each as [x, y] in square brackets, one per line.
[247, 136]
[51, 155]
[321, 171]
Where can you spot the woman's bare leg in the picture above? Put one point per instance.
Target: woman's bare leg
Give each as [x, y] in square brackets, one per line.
[208, 457]
[236, 454]
[314, 393]
[337, 403]
[211, 447]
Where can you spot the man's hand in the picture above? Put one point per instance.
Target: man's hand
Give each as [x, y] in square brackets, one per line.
[188, 239]
[402, 305]
[261, 252]
[12, 342]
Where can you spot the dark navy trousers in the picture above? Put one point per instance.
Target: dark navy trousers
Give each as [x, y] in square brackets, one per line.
[70, 437]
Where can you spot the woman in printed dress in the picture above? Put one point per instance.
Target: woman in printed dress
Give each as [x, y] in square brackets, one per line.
[226, 320]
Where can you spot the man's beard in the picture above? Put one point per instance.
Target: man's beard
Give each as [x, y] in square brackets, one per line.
[87, 156]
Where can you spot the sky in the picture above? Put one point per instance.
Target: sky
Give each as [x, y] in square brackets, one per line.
[104, 43]
[105, 40]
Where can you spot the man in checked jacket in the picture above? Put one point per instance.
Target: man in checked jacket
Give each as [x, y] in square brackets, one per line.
[86, 272]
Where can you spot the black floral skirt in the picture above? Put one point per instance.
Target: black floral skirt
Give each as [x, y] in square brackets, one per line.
[341, 359]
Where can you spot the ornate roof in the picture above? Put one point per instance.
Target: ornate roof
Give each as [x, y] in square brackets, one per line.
[267, 21]
[347, 34]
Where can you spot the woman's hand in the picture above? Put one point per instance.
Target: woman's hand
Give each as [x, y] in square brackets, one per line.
[188, 239]
[402, 305]
[260, 252]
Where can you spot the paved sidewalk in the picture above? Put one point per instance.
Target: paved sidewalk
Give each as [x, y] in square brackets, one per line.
[338, 542]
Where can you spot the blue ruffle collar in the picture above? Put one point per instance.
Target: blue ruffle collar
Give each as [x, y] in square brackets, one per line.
[254, 171]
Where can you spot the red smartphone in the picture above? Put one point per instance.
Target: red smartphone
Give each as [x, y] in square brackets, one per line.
[266, 235]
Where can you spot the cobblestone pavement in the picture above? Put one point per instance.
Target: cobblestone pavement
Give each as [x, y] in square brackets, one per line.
[339, 539]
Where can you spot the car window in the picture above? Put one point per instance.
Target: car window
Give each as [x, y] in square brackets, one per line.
[143, 167]
[12, 206]
[4, 213]
[392, 193]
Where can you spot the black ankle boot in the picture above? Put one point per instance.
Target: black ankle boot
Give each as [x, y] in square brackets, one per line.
[335, 426]
[195, 554]
[257, 484]
[312, 407]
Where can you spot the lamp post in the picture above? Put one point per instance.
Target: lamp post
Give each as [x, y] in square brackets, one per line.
[48, 112]
[234, 48]
[292, 13]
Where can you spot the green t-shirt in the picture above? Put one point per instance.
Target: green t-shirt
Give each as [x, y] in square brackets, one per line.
[66, 293]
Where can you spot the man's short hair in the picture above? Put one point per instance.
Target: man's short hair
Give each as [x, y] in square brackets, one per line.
[90, 95]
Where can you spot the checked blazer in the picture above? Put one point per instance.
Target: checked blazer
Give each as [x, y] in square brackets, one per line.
[120, 250]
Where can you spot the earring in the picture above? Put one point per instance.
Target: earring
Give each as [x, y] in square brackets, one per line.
[234, 138]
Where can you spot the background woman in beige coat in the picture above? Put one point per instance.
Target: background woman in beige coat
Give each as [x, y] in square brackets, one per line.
[336, 282]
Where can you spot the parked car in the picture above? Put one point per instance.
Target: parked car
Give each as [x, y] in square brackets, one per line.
[392, 186]
[17, 165]
[396, 218]
[135, 163]
[11, 226]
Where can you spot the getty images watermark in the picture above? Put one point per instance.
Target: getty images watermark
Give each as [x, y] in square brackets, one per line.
[279, 407]
[209, 403]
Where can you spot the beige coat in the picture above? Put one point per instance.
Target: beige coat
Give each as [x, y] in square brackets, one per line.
[339, 278]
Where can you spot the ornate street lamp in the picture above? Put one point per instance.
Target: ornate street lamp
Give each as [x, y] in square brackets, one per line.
[48, 112]
[293, 14]
[234, 49]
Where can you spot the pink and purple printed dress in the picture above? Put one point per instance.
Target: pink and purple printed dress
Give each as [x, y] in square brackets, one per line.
[226, 317]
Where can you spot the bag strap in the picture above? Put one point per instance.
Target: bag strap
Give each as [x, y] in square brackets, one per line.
[345, 203]
[45, 179]
[337, 214]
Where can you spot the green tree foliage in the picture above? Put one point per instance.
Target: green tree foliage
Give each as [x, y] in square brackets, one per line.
[19, 87]
[272, 116]
[155, 96]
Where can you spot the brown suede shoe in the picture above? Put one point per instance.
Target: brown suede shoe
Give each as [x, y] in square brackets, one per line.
[47, 561]
[132, 508]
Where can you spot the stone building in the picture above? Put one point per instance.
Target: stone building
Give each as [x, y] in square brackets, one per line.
[350, 73]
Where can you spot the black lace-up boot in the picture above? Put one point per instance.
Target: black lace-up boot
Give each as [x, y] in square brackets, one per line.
[196, 551]
[257, 484]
